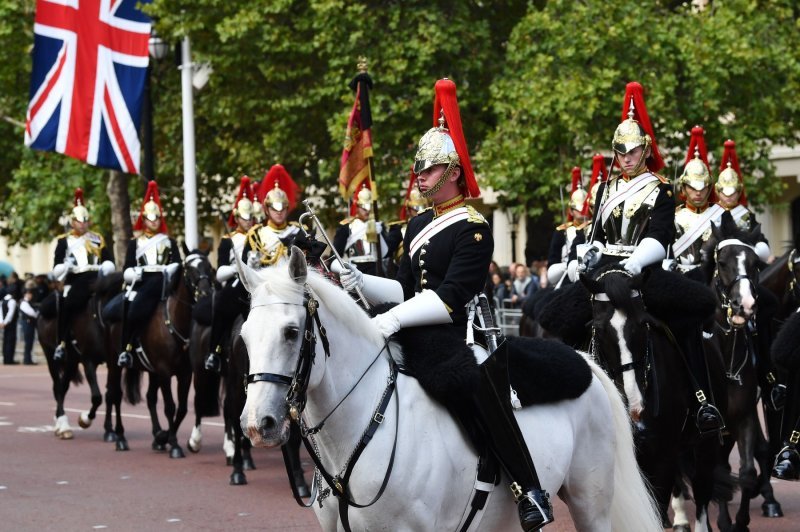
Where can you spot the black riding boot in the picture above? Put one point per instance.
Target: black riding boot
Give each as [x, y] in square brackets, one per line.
[708, 417]
[61, 340]
[493, 402]
[787, 463]
[125, 359]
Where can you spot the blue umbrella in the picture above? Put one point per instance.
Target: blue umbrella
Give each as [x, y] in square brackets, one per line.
[6, 269]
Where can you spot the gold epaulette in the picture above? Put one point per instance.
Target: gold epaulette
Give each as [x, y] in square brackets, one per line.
[583, 225]
[565, 226]
[346, 221]
[474, 216]
[661, 178]
[395, 222]
[100, 238]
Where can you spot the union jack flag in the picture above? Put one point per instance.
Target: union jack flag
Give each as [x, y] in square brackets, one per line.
[89, 66]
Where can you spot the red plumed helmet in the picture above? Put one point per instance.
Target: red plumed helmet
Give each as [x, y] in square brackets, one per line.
[696, 171]
[362, 197]
[151, 209]
[730, 176]
[577, 195]
[243, 206]
[636, 129]
[278, 187]
[599, 175]
[79, 210]
[445, 142]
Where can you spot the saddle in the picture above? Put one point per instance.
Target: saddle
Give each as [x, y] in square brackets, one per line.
[541, 371]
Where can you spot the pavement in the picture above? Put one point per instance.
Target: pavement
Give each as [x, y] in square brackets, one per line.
[85, 484]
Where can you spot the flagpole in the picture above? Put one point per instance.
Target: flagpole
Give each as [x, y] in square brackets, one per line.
[189, 165]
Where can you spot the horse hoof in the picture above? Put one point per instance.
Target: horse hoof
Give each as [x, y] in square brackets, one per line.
[771, 509]
[122, 445]
[160, 447]
[238, 479]
[66, 435]
[176, 452]
[192, 447]
[248, 464]
[110, 437]
[84, 420]
[676, 528]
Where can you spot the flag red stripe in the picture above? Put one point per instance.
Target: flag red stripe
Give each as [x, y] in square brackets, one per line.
[43, 96]
[117, 132]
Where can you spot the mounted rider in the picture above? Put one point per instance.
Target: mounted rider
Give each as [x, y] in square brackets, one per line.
[151, 262]
[80, 256]
[448, 249]
[693, 219]
[233, 299]
[565, 234]
[633, 225]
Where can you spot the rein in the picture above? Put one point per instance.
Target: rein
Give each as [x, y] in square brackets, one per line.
[296, 402]
[194, 288]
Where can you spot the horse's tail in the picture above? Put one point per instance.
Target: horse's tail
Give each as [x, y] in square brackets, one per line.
[133, 385]
[206, 393]
[632, 507]
[77, 377]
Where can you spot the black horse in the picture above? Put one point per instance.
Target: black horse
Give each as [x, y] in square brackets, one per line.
[639, 352]
[731, 258]
[87, 347]
[163, 351]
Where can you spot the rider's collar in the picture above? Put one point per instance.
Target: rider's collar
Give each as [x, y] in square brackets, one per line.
[273, 225]
[148, 233]
[449, 205]
[697, 210]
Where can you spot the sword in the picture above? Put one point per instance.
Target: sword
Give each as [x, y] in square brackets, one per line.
[493, 334]
[310, 212]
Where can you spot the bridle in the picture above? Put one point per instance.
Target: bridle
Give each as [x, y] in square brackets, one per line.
[791, 265]
[723, 290]
[194, 284]
[296, 397]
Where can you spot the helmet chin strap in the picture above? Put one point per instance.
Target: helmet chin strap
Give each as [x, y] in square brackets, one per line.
[640, 166]
[440, 183]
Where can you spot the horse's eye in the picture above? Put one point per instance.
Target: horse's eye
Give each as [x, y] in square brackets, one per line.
[290, 333]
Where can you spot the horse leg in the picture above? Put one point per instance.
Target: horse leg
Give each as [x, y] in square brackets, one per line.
[238, 477]
[766, 449]
[62, 429]
[247, 456]
[160, 436]
[724, 519]
[184, 383]
[747, 471]
[680, 522]
[706, 453]
[169, 413]
[90, 370]
[195, 441]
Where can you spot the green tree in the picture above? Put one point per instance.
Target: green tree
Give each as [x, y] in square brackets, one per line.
[731, 67]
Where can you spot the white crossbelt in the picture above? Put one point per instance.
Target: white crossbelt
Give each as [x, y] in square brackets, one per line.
[700, 226]
[620, 197]
[436, 226]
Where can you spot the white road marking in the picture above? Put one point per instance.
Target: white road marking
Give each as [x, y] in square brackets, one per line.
[142, 416]
[3, 487]
[173, 520]
[40, 428]
[124, 477]
[62, 482]
[98, 527]
[243, 514]
[6, 423]
[6, 403]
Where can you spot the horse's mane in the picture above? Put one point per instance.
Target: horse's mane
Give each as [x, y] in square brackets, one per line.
[618, 290]
[276, 281]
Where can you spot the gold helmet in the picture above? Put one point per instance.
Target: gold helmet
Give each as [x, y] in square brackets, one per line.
[243, 206]
[276, 198]
[278, 190]
[578, 194]
[79, 211]
[730, 177]
[445, 142]
[258, 212]
[364, 198]
[635, 129]
[151, 209]
[695, 171]
[415, 200]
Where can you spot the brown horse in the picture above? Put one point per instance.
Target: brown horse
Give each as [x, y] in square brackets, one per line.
[87, 347]
[163, 350]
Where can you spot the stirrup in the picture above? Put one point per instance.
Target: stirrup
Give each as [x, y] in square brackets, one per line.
[59, 353]
[535, 510]
[709, 419]
[787, 464]
[213, 363]
[125, 359]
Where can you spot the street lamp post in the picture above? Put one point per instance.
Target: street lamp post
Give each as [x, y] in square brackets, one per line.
[158, 49]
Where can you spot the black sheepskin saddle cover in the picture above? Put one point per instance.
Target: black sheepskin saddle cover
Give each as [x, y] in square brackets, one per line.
[541, 371]
[786, 347]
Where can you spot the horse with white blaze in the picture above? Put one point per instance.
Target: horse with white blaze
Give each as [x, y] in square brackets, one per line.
[418, 471]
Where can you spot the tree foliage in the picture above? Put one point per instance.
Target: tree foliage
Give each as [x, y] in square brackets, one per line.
[731, 67]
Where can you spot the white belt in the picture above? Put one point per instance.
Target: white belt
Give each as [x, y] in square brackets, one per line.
[154, 268]
[362, 258]
[619, 251]
[84, 269]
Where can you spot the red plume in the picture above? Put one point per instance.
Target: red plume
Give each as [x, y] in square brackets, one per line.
[729, 155]
[576, 181]
[278, 174]
[151, 194]
[245, 191]
[78, 197]
[412, 181]
[634, 91]
[445, 99]
[698, 143]
[599, 172]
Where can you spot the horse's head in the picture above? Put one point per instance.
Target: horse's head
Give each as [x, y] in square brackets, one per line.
[619, 331]
[736, 269]
[198, 274]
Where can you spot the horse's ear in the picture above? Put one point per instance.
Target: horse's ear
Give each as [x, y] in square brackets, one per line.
[728, 224]
[247, 275]
[595, 287]
[716, 232]
[298, 269]
[186, 251]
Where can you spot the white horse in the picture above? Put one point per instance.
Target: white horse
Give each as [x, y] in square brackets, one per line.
[583, 448]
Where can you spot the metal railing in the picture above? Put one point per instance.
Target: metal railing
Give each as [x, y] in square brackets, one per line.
[507, 317]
